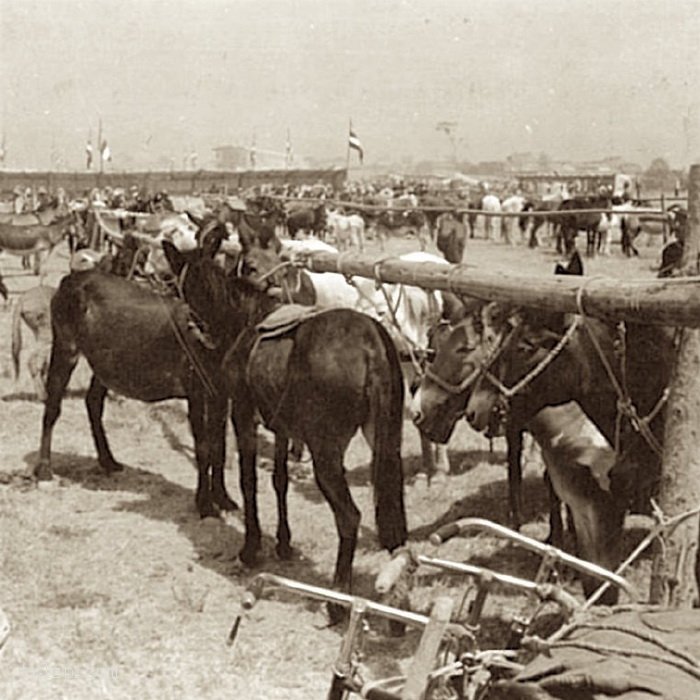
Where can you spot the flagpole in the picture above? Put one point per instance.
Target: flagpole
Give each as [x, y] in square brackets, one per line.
[99, 144]
[347, 155]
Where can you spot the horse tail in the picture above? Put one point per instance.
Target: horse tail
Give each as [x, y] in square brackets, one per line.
[386, 398]
[16, 336]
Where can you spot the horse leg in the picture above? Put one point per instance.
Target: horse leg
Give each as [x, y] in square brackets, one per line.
[243, 419]
[330, 477]
[216, 413]
[280, 480]
[95, 402]
[427, 460]
[197, 416]
[38, 369]
[556, 527]
[442, 464]
[514, 439]
[63, 360]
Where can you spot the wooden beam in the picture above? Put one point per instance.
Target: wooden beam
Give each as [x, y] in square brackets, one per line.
[676, 566]
[672, 302]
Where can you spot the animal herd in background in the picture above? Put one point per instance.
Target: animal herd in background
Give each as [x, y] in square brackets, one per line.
[217, 341]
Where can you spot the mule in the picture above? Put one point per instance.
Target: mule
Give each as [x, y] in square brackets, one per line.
[34, 309]
[316, 379]
[143, 346]
[512, 205]
[502, 347]
[347, 231]
[310, 218]
[491, 204]
[27, 234]
[408, 313]
[451, 236]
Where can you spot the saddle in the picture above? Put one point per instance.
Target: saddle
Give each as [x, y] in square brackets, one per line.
[285, 319]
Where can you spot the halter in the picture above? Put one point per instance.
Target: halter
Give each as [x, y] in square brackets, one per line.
[510, 392]
[484, 368]
[498, 348]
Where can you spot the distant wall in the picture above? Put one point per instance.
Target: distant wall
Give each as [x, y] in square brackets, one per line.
[176, 182]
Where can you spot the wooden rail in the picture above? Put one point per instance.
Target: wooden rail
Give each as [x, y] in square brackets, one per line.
[672, 302]
[646, 212]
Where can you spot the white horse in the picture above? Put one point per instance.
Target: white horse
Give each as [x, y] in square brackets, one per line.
[512, 205]
[348, 231]
[490, 204]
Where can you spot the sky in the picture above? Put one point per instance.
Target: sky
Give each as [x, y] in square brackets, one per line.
[577, 79]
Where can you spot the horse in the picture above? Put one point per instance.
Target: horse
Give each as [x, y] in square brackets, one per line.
[571, 224]
[504, 345]
[34, 308]
[144, 346]
[577, 373]
[546, 203]
[310, 218]
[490, 204]
[451, 236]
[33, 233]
[315, 377]
[348, 231]
[408, 313]
[513, 205]
[402, 222]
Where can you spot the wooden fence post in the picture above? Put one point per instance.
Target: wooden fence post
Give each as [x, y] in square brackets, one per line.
[676, 566]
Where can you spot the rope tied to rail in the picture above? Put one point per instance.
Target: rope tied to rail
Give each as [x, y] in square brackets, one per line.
[625, 405]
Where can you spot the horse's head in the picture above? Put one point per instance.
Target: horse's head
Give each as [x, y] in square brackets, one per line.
[527, 368]
[445, 388]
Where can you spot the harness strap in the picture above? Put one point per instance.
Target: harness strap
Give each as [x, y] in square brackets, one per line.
[510, 392]
[625, 406]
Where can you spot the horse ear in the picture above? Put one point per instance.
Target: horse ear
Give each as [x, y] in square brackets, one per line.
[175, 258]
[211, 243]
[196, 220]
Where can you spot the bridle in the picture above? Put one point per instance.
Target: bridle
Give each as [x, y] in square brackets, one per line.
[484, 368]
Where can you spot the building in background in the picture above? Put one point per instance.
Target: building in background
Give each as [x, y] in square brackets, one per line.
[238, 158]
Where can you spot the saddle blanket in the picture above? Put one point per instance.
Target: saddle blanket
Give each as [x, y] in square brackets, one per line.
[285, 319]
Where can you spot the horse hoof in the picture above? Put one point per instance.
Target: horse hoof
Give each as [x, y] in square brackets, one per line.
[248, 556]
[285, 551]
[110, 466]
[336, 614]
[420, 481]
[208, 511]
[225, 502]
[439, 479]
[43, 472]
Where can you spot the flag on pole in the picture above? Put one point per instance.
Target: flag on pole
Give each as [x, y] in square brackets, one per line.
[355, 143]
[105, 151]
[88, 153]
[288, 156]
[252, 154]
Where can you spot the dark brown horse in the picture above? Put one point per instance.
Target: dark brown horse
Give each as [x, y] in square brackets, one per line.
[316, 380]
[511, 345]
[451, 236]
[144, 346]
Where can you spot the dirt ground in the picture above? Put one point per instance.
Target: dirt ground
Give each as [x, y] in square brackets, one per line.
[116, 589]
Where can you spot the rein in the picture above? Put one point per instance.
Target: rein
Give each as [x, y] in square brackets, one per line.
[510, 392]
[197, 365]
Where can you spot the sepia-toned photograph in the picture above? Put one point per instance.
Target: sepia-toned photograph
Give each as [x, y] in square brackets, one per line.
[349, 349]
